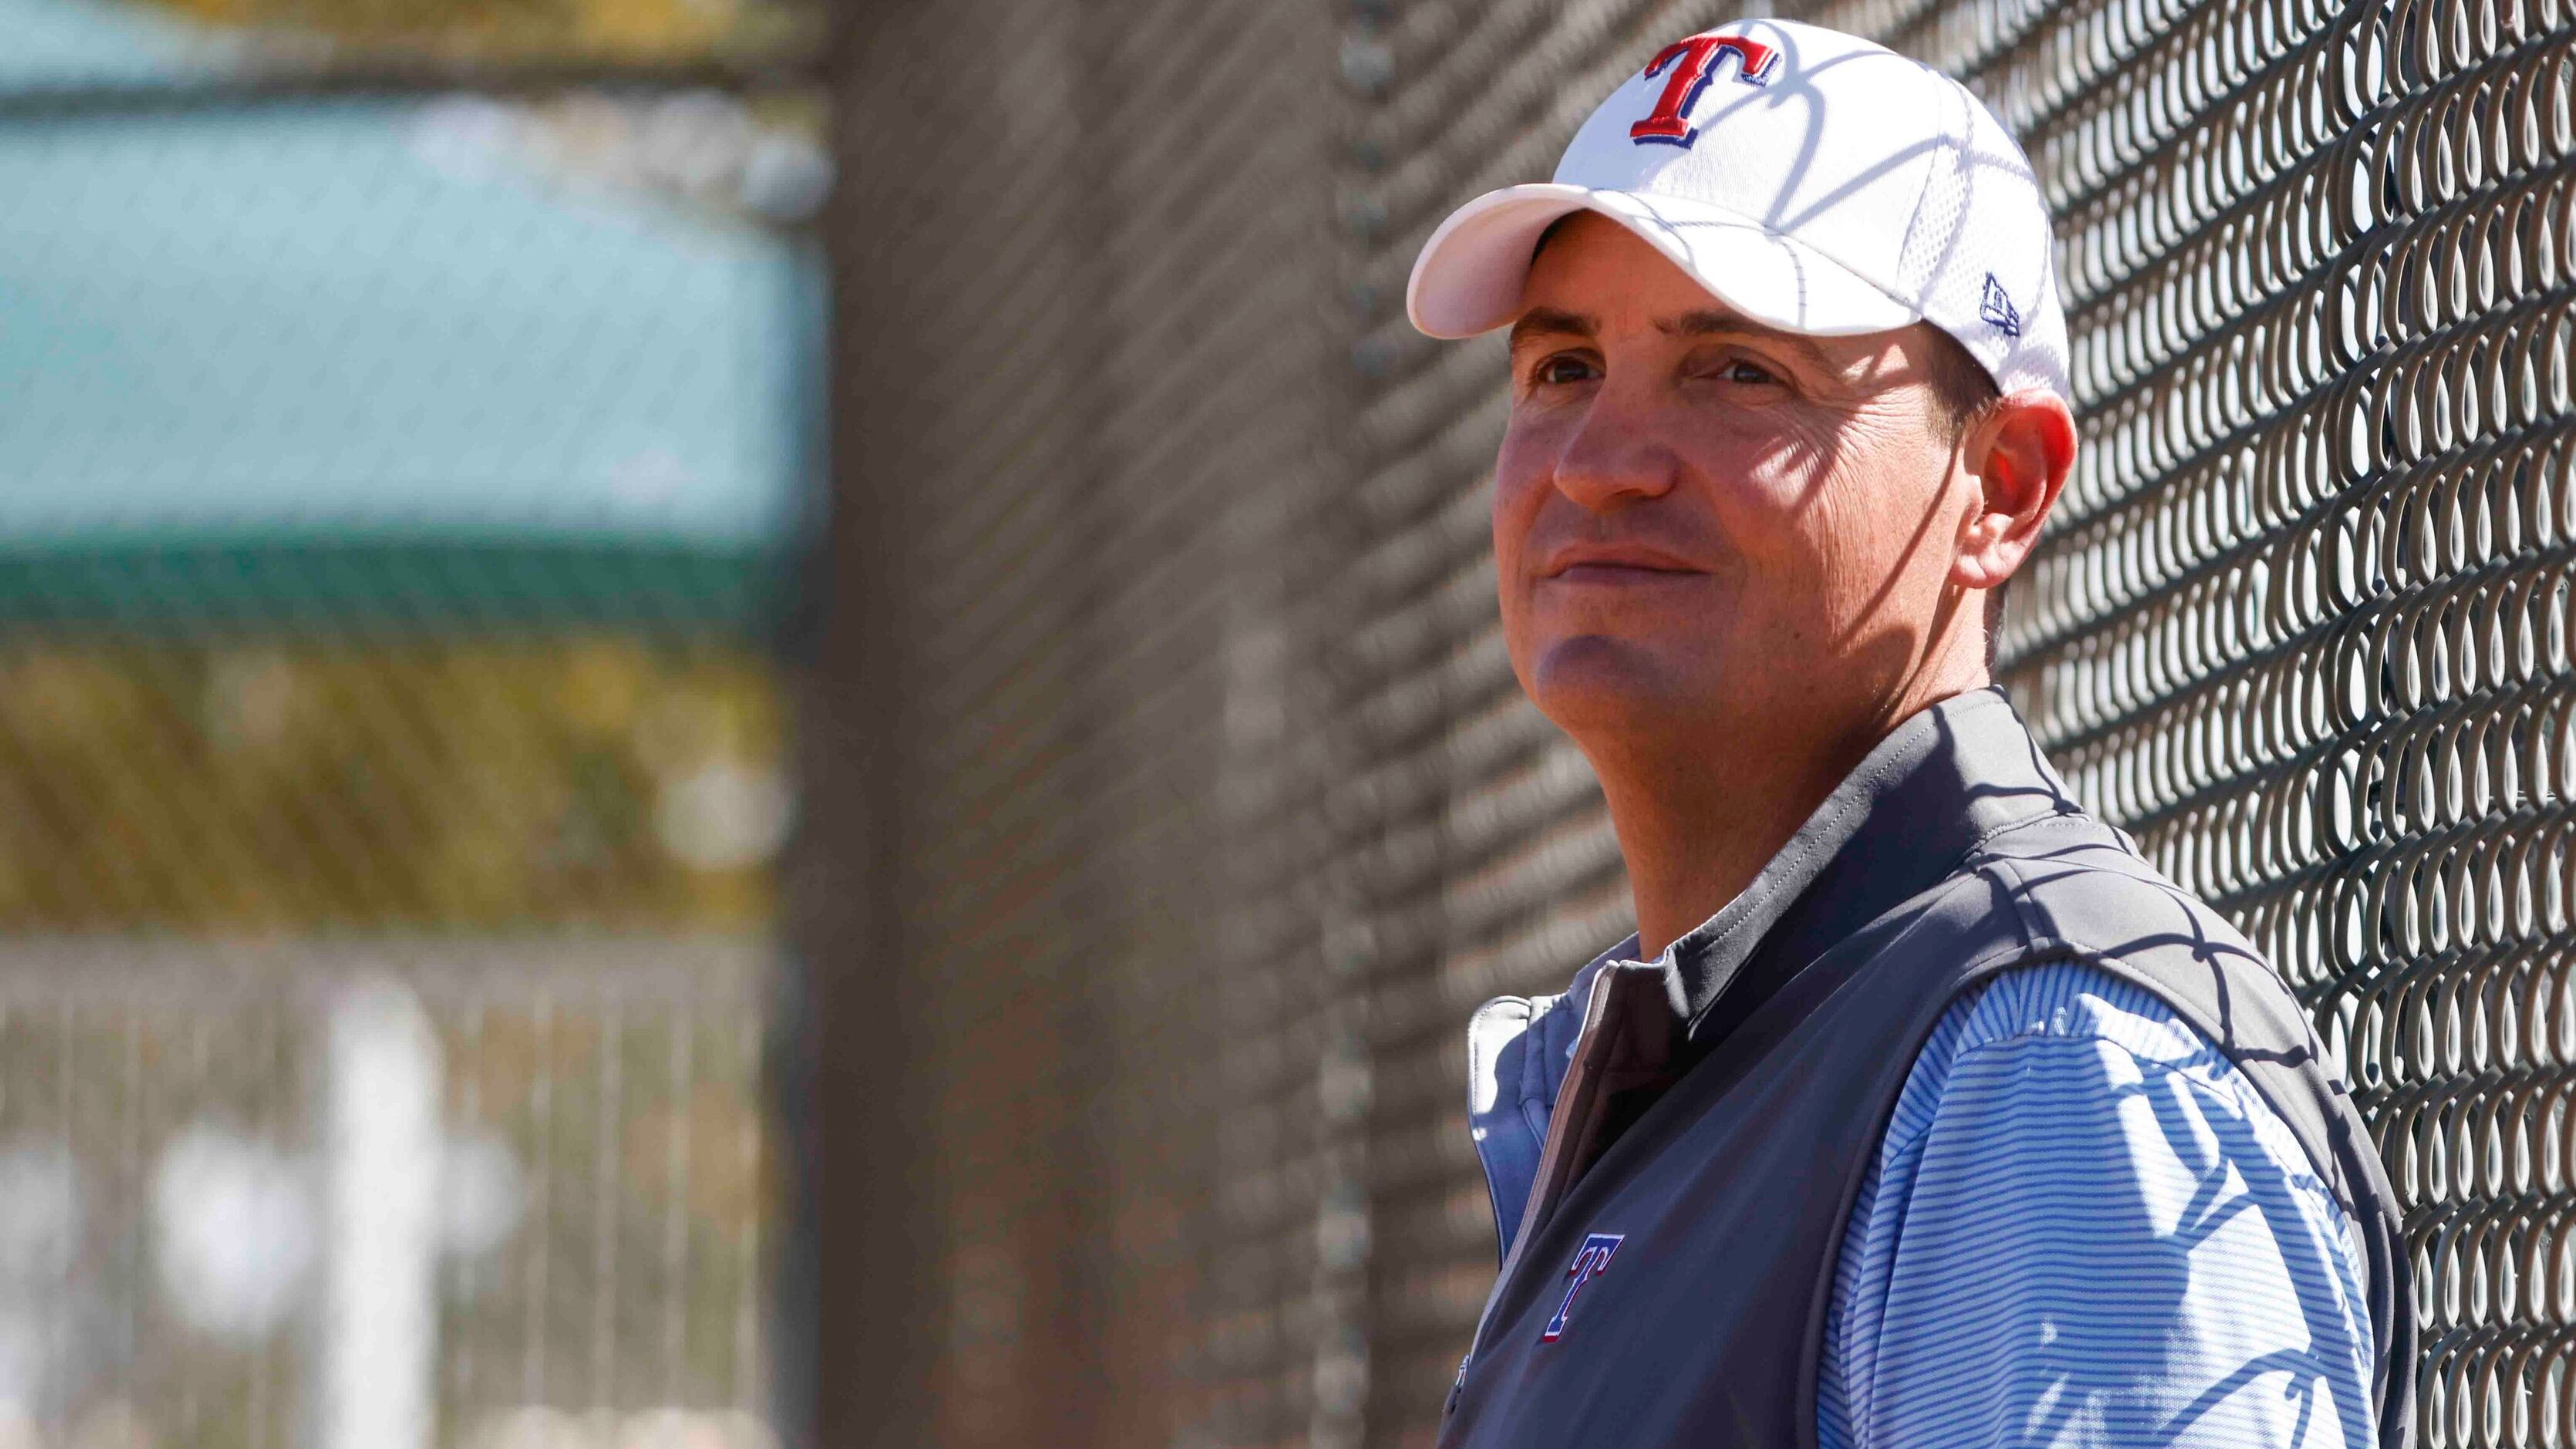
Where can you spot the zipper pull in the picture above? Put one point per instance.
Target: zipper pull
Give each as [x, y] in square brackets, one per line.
[1457, 1386]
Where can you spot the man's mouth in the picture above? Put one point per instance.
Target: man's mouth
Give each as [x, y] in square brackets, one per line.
[1618, 564]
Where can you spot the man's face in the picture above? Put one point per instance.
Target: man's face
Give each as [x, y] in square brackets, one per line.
[1706, 528]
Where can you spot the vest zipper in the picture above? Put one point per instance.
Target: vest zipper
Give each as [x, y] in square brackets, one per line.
[1553, 1156]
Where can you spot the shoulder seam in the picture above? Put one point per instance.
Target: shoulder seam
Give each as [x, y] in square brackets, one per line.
[2007, 878]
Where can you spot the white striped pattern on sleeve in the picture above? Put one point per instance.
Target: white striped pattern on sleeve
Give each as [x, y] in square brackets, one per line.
[2085, 1227]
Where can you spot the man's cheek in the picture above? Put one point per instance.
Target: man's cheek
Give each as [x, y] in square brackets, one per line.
[1515, 512]
[1769, 490]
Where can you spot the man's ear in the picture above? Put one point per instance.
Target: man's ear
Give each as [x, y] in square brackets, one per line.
[2018, 453]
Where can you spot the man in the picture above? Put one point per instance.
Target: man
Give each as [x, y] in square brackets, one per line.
[1919, 1111]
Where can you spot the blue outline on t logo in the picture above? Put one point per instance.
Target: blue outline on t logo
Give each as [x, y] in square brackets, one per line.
[1591, 1260]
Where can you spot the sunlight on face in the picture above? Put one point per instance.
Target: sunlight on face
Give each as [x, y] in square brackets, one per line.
[1706, 531]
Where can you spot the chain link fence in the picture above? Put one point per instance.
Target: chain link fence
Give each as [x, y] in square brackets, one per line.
[1213, 807]
[408, 416]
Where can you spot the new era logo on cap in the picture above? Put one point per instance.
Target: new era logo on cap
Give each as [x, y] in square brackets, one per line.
[1997, 309]
[1840, 188]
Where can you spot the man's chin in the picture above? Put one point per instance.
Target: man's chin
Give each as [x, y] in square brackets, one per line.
[1594, 682]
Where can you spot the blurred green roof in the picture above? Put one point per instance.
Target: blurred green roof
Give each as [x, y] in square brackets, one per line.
[301, 359]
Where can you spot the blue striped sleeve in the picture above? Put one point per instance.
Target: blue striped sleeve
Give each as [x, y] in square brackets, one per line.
[2084, 1227]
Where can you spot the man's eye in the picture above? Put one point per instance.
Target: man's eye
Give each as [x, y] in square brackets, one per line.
[1560, 371]
[1740, 370]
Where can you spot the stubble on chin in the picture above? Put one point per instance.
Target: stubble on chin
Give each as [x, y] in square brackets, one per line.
[1610, 690]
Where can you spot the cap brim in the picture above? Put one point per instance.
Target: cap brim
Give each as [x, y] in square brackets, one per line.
[1468, 278]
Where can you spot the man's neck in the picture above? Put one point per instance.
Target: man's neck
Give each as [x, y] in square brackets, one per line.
[1695, 838]
[1698, 820]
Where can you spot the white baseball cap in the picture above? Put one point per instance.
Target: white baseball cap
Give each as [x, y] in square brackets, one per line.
[1811, 180]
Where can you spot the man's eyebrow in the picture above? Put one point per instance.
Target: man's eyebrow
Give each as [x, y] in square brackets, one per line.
[1727, 324]
[1547, 321]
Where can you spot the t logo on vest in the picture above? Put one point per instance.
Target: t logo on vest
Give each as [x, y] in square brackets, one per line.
[1591, 1259]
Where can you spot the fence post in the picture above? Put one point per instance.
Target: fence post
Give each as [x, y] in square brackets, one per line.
[381, 1145]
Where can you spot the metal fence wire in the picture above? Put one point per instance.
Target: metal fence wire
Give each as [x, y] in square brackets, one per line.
[1217, 810]
[406, 414]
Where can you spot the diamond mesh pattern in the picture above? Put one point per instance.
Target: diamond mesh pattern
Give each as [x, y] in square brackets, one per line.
[1221, 808]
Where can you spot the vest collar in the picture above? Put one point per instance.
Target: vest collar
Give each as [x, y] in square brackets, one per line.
[1943, 780]
[1950, 775]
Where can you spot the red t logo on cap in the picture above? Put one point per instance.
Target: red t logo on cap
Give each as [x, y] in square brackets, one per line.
[1693, 62]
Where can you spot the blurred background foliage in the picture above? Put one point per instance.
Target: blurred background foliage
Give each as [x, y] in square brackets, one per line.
[595, 780]
[626, 29]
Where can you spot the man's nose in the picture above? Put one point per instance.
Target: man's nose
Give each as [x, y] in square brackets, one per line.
[1615, 458]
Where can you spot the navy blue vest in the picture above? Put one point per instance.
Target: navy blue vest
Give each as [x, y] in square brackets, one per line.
[1722, 1105]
